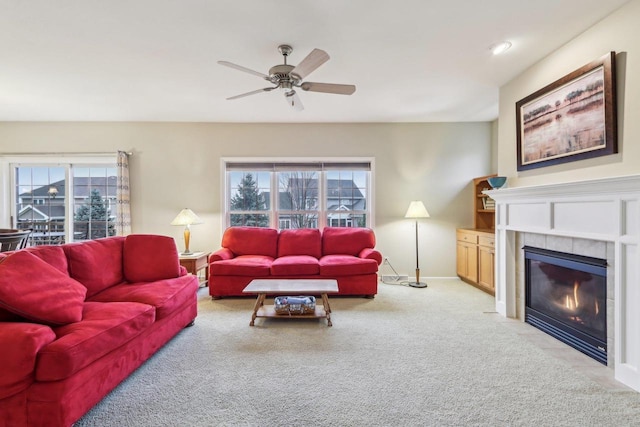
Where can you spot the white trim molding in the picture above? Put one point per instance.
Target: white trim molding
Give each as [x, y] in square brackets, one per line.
[606, 209]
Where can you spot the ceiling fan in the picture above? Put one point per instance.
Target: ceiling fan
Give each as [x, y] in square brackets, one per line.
[287, 77]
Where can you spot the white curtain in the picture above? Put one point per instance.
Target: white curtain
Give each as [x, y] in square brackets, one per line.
[123, 211]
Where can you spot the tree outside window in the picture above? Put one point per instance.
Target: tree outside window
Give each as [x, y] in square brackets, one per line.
[93, 219]
[247, 203]
[298, 199]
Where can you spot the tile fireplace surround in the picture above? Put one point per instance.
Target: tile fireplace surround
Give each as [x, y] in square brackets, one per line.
[601, 213]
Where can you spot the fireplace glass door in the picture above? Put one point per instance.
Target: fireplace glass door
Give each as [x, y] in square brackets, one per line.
[566, 296]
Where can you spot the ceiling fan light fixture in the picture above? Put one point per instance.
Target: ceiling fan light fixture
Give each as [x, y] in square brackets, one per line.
[501, 47]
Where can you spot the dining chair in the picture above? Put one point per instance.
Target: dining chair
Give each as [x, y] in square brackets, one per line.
[12, 240]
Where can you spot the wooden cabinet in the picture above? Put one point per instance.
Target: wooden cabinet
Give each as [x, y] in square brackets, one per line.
[486, 262]
[467, 255]
[475, 258]
[475, 246]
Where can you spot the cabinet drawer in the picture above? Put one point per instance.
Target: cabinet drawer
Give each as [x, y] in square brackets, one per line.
[467, 236]
[489, 241]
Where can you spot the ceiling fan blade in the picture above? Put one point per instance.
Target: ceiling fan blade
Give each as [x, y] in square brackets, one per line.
[241, 68]
[316, 58]
[293, 100]
[328, 88]
[253, 92]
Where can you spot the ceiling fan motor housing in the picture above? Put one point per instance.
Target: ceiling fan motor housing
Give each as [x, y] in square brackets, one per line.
[282, 73]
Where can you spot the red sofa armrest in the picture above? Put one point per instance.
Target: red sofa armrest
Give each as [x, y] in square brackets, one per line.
[221, 255]
[370, 253]
[17, 365]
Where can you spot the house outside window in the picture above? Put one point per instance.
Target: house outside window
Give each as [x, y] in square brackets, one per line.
[307, 194]
[65, 202]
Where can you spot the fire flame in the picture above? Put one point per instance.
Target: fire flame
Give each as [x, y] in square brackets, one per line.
[573, 303]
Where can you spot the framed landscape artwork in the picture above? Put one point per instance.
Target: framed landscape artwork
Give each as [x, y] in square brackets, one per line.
[571, 119]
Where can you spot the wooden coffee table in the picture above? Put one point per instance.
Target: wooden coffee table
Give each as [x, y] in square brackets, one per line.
[262, 287]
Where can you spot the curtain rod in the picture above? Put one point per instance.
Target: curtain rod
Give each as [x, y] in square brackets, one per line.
[106, 153]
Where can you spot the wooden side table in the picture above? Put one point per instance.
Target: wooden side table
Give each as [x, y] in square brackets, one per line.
[196, 262]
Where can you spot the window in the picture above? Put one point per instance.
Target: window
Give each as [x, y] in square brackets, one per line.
[64, 202]
[249, 202]
[310, 194]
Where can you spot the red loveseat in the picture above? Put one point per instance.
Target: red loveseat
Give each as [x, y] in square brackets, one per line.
[77, 319]
[342, 253]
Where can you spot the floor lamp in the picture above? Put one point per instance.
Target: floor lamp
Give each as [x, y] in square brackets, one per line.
[187, 218]
[417, 210]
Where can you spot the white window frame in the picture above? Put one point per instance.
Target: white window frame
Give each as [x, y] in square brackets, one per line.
[9, 162]
[274, 222]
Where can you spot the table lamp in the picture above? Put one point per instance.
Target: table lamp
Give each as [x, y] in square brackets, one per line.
[187, 218]
[417, 210]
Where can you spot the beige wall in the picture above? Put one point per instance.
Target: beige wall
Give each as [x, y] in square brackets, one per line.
[177, 165]
[619, 32]
[494, 145]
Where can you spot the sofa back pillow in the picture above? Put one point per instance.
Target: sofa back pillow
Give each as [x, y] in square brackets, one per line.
[346, 240]
[251, 241]
[300, 241]
[52, 255]
[147, 258]
[35, 290]
[97, 264]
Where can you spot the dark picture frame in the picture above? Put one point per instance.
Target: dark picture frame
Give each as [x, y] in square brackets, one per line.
[573, 118]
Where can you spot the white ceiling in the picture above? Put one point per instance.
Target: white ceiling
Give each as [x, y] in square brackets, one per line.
[156, 60]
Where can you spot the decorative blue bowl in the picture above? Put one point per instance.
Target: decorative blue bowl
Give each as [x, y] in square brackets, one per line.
[497, 181]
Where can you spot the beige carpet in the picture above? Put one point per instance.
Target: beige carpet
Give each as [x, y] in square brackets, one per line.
[410, 357]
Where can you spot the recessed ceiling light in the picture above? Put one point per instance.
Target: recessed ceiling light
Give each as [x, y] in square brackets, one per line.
[501, 47]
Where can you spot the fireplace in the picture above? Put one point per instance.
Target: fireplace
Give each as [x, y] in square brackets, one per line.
[594, 217]
[566, 297]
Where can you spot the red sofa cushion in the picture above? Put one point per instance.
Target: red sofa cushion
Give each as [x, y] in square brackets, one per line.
[165, 295]
[244, 265]
[31, 288]
[251, 241]
[52, 255]
[97, 264]
[147, 258]
[21, 343]
[301, 241]
[346, 265]
[295, 265]
[346, 240]
[104, 328]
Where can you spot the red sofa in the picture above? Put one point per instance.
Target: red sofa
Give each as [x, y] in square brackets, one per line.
[77, 319]
[341, 253]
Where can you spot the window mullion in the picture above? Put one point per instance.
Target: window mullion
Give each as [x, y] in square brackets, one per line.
[68, 202]
[322, 202]
[274, 199]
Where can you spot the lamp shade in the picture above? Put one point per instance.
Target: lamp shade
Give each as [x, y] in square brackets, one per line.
[186, 217]
[416, 210]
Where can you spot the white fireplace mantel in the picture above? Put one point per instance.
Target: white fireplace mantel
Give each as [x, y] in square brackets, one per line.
[605, 209]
